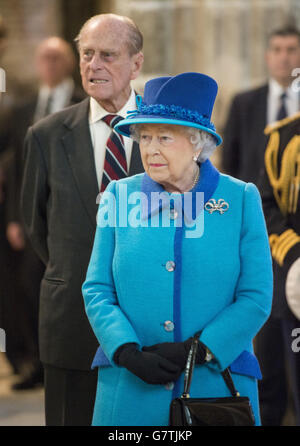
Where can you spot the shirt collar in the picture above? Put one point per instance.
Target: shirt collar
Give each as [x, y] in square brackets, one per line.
[207, 184]
[97, 112]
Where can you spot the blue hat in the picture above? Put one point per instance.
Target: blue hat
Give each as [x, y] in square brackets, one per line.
[186, 99]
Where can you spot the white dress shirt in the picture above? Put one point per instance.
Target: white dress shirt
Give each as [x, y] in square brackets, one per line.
[60, 97]
[100, 132]
[274, 101]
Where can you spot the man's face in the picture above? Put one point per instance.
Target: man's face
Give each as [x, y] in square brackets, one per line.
[106, 66]
[283, 55]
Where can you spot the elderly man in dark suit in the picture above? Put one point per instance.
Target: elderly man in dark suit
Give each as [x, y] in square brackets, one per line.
[250, 111]
[69, 158]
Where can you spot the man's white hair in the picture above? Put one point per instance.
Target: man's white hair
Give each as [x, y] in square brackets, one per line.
[200, 139]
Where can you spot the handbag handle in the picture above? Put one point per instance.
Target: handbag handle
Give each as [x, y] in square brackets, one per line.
[189, 369]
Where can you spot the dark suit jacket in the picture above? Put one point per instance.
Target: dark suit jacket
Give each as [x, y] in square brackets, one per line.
[244, 141]
[58, 202]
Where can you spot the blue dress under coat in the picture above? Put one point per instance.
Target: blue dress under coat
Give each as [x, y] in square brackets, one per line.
[220, 282]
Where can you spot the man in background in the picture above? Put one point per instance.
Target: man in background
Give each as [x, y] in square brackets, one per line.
[251, 111]
[55, 63]
[69, 158]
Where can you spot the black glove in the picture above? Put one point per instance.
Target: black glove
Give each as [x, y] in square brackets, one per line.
[177, 352]
[150, 367]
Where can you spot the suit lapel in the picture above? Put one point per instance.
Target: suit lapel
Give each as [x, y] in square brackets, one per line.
[78, 146]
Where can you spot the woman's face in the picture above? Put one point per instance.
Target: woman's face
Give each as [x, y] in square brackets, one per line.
[167, 155]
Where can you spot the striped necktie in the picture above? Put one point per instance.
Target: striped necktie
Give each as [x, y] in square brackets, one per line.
[115, 164]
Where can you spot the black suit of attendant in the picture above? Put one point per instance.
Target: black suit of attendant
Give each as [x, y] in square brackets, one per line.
[59, 208]
[244, 140]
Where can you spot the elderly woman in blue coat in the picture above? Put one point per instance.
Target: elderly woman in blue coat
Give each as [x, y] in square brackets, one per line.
[178, 249]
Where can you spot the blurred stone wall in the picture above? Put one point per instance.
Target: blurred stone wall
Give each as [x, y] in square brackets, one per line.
[28, 22]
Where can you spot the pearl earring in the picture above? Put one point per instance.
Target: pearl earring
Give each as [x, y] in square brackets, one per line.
[195, 158]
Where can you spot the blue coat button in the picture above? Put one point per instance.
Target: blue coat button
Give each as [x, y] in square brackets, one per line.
[169, 326]
[170, 266]
[173, 214]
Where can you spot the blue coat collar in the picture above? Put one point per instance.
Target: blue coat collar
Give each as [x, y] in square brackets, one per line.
[207, 184]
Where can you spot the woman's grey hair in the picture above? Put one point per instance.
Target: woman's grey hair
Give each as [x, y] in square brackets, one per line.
[200, 139]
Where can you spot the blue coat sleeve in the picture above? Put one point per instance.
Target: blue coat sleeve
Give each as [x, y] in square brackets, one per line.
[233, 329]
[110, 325]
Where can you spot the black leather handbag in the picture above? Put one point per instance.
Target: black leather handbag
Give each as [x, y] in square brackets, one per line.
[226, 411]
